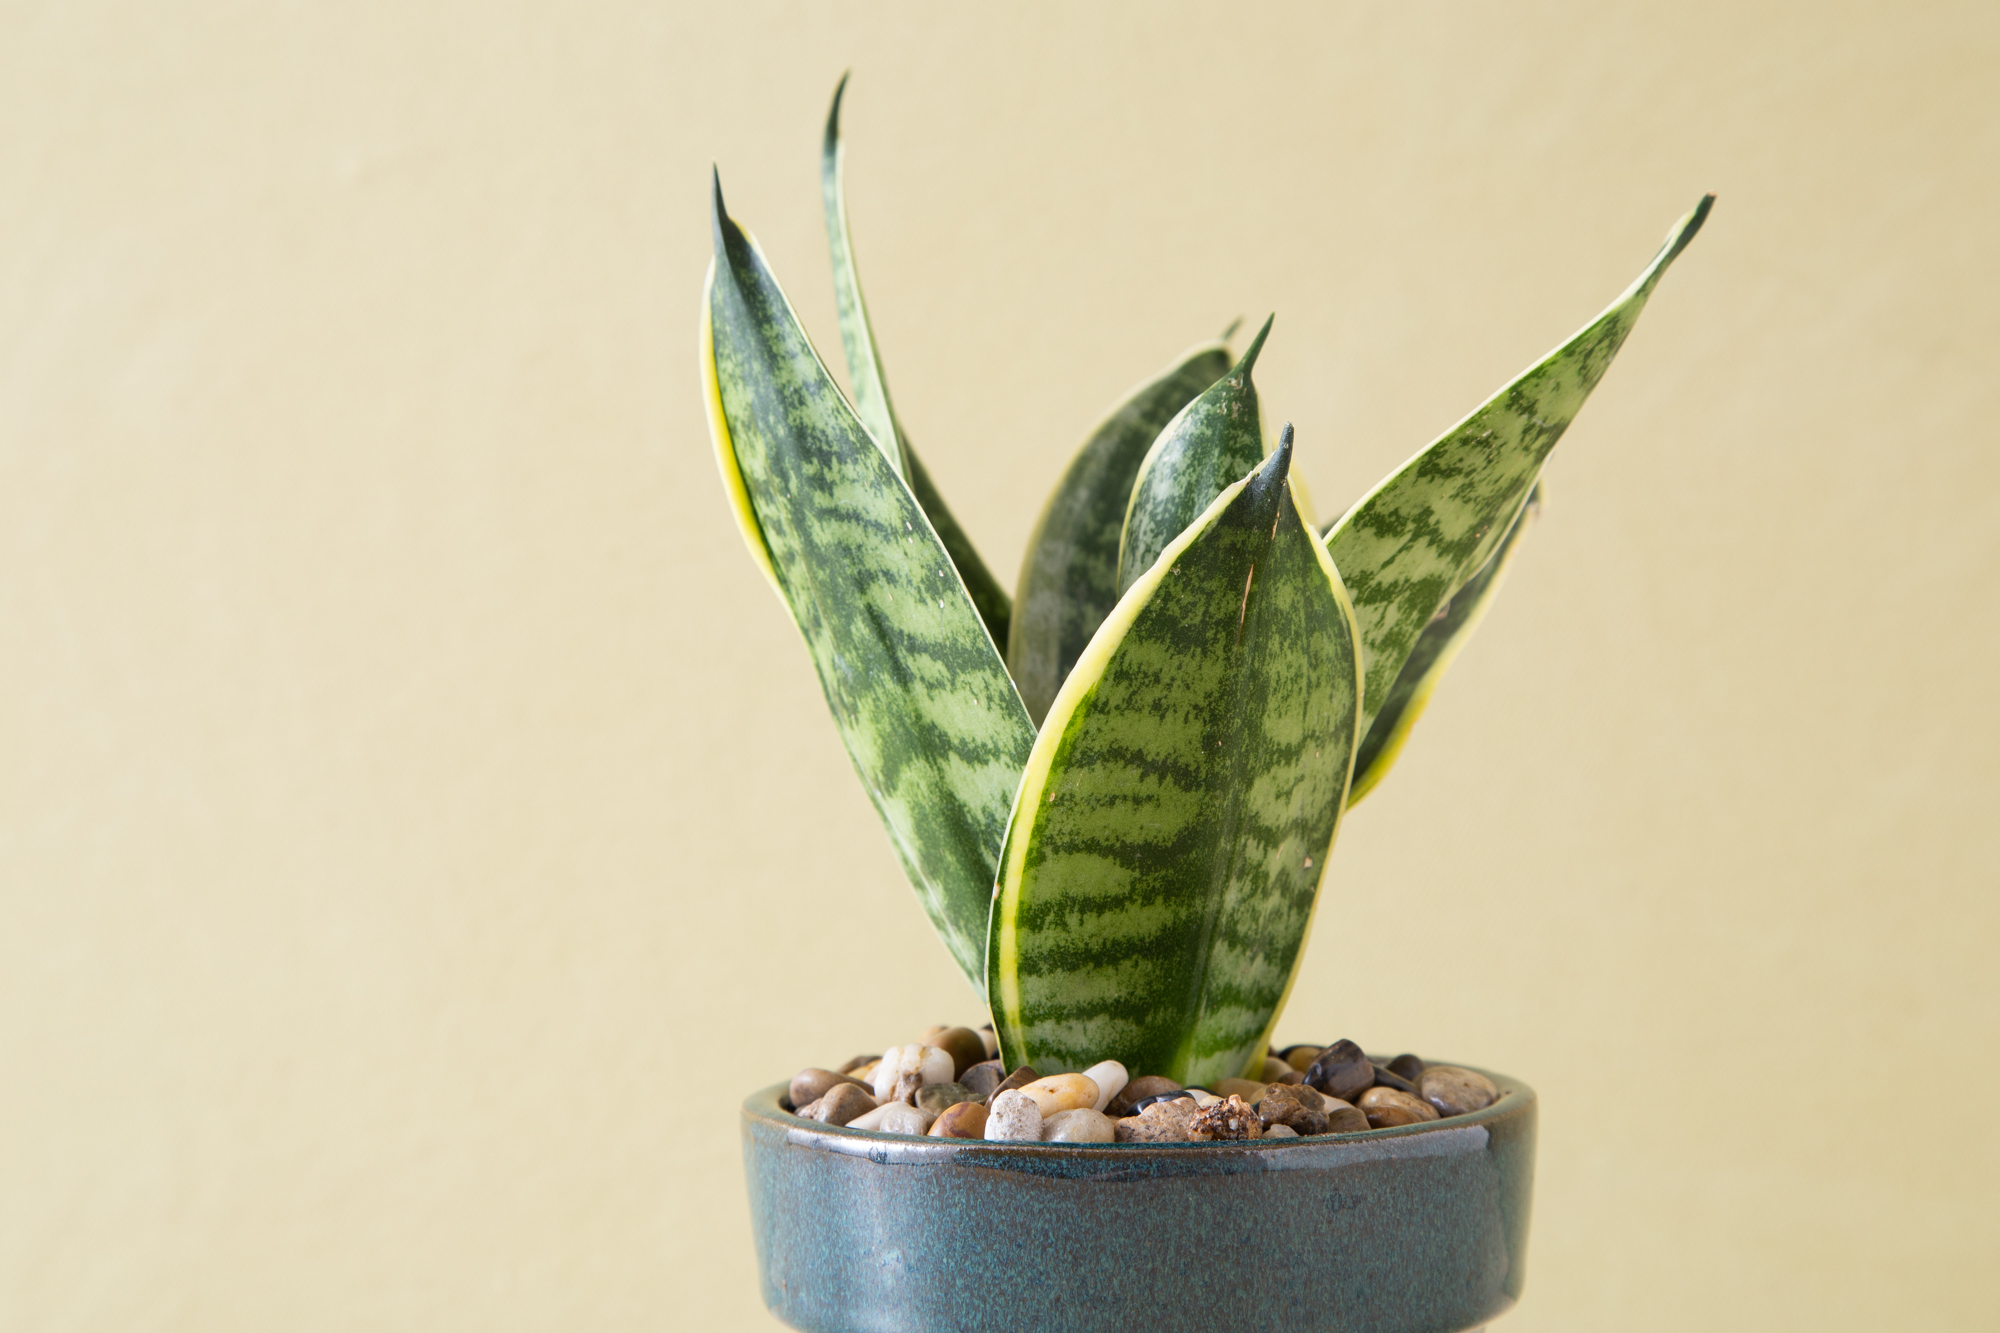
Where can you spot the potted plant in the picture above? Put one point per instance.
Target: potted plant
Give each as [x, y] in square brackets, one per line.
[1115, 794]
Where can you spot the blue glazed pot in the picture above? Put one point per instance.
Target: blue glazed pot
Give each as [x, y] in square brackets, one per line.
[1419, 1229]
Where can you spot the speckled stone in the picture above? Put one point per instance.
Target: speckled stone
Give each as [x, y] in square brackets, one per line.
[1455, 1091]
[841, 1104]
[1138, 1090]
[1342, 1071]
[967, 1120]
[1410, 1067]
[809, 1085]
[961, 1044]
[1344, 1117]
[1416, 1231]
[939, 1097]
[1061, 1092]
[895, 1118]
[1231, 1118]
[1387, 1108]
[1012, 1115]
[984, 1078]
[1082, 1125]
[1297, 1107]
[1167, 1121]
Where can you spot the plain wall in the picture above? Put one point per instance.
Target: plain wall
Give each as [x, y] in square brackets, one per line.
[419, 826]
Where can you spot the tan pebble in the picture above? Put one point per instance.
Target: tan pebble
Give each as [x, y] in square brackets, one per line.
[1300, 1057]
[962, 1044]
[1277, 1071]
[1343, 1117]
[1203, 1097]
[1388, 1107]
[1158, 1125]
[1295, 1106]
[1178, 1112]
[856, 1063]
[1062, 1092]
[865, 1074]
[967, 1120]
[1137, 1091]
[1281, 1132]
[1249, 1089]
[990, 1040]
[1082, 1125]
[1013, 1116]
[1455, 1091]
[809, 1085]
[842, 1103]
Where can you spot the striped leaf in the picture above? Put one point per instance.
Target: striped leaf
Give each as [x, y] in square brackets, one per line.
[1209, 444]
[1069, 580]
[871, 389]
[1172, 826]
[917, 691]
[1449, 631]
[1421, 534]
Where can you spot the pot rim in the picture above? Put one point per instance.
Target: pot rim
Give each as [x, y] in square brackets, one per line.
[1516, 1098]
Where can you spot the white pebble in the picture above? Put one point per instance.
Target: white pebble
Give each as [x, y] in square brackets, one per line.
[1079, 1126]
[992, 1041]
[1281, 1132]
[1201, 1098]
[1014, 1115]
[1110, 1078]
[895, 1118]
[904, 1069]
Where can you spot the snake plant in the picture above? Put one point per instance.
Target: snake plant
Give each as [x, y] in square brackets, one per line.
[1115, 792]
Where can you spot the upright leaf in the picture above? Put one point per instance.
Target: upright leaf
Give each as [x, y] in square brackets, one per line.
[1172, 826]
[917, 691]
[1449, 631]
[1214, 440]
[1432, 524]
[1069, 579]
[871, 389]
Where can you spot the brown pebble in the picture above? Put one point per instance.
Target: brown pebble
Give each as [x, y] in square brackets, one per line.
[1455, 1091]
[1342, 1071]
[1295, 1105]
[856, 1063]
[1343, 1118]
[1387, 1107]
[1020, 1078]
[1277, 1071]
[1162, 1122]
[984, 1078]
[1301, 1057]
[1231, 1118]
[963, 1044]
[1410, 1067]
[1138, 1090]
[809, 1085]
[1250, 1090]
[842, 1103]
[1386, 1077]
[967, 1120]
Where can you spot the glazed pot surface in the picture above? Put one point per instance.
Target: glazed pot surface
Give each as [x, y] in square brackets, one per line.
[1419, 1229]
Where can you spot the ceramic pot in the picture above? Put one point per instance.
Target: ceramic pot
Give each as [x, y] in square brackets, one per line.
[1419, 1229]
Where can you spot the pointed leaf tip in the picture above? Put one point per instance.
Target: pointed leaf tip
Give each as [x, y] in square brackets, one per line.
[833, 112]
[1278, 466]
[1691, 224]
[1249, 360]
[718, 216]
[1230, 332]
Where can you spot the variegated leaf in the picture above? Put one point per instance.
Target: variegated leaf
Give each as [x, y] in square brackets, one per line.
[1069, 580]
[1166, 848]
[1449, 631]
[1209, 444]
[917, 691]
[871, 389]
[1414, 540]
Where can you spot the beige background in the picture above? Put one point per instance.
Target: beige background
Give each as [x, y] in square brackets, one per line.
[419, 826]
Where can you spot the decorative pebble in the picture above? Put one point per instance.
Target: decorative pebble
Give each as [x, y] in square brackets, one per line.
[1344, 1118]
[1301, 1057]
[990, 1041]
[1082, 1125]
[856, 1063]
[967, 1120]
[1277, 1071]
[962, 1044]
[1169, 1120]
[1386, 1108]
[1410, 1067]
[865, 1074]
[1386, 1077]
[1139, 1090]
[1203, 1097]
[842, 1103]
[1248, 1089]
[984, 1078]
[1230, 1119]
[1062, 1092]
[1012, 1115]
[1176, 1094]
[904, 1069]
[1295, 1107]
[1280, 1132]
[895, 1118]
[1341, 1070]
[809, 1085]
[1455, 1091]
[1110, 1078]
[1020, 1078]
[940, 1097]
